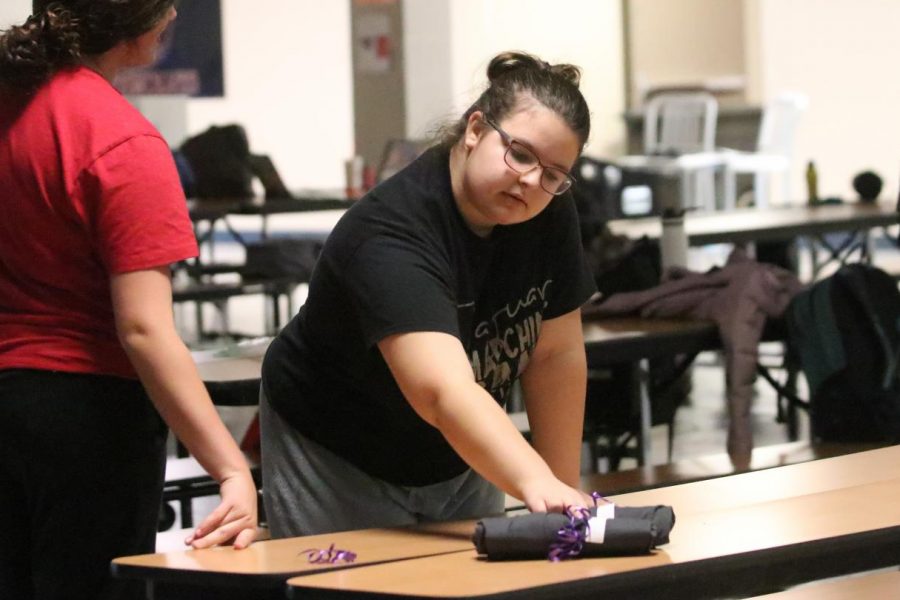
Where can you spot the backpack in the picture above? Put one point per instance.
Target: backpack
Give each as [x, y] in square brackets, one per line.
[846, 331]
[220, 160]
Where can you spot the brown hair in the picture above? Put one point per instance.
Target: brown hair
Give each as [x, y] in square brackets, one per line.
[512, 74]
[60, 32]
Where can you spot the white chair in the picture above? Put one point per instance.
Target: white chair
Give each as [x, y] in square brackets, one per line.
[680, 123]
[679, 139]
[773, 151]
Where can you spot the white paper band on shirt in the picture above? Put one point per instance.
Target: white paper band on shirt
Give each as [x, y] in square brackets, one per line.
[597, 524]
[598, 530]
[607, 510]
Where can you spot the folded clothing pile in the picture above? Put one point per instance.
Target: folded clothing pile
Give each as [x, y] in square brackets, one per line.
[605, 530]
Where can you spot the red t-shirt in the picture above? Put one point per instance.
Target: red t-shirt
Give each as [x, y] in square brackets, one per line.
[88, 188]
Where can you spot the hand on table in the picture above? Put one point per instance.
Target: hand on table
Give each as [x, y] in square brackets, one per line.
[234, 520]
[552, 495]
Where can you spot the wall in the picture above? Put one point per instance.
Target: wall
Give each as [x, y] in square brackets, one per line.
[378, 83]
[844, 54]
[685, 42]
[288, 81]
[274, 49]
[429, 59]
[14, 12]
[587, 33]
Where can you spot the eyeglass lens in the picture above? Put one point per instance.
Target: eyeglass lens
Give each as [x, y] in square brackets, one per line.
[521, 159]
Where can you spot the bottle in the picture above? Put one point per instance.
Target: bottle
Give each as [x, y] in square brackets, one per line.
[674, 240]
[812, 184]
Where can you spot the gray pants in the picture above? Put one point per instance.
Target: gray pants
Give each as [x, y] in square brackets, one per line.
[309, 490]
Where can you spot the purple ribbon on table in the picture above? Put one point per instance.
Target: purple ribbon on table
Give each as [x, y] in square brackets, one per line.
[572, 536]
[330, 555]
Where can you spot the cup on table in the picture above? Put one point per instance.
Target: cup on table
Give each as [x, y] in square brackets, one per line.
[353, 170]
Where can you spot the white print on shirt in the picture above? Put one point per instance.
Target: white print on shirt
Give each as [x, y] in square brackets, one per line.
[503, 344]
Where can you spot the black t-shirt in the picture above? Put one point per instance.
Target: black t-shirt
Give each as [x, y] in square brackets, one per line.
[401, 260]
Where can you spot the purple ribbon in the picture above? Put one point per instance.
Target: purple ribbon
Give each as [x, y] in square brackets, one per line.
[329, 555]
[571, 537]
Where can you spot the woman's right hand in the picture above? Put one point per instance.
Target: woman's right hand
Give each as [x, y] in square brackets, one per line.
[552, 495]
[234, 520]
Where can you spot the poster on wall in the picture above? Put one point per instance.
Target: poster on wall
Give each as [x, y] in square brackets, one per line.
[190, 56]
[373, 43]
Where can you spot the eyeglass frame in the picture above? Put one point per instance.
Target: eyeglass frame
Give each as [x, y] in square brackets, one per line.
[508, 141]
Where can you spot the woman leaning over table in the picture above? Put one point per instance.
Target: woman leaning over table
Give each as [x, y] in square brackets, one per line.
[91, 217]
[383, 398]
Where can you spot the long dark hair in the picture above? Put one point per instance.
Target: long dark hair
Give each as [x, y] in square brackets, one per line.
[512, 74]
[60, 32]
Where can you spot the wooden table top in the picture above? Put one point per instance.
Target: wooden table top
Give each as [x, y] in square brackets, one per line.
[735, 533]
[307, 200]
[232, 363]
[230, 369]
[621, 339]
[771, 224]
[698, 468]
[754, 487]
[627, 339]
[315, 219]
[275, 560]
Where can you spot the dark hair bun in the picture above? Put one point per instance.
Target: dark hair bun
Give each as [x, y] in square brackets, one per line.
[46, 41]
[508, 62]
[570, 73]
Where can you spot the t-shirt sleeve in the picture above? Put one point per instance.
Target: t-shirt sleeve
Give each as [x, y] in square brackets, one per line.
[574, 283]
[133, 202]
[397, 286]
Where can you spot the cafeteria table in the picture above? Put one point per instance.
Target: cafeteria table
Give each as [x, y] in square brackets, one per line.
[734, 537]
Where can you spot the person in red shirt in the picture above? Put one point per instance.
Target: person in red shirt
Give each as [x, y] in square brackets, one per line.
[91, 217]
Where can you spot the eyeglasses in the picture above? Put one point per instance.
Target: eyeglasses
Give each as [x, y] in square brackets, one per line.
[521, 159]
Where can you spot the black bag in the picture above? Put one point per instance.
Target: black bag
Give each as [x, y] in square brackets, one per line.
[220, 160]
[619, 264]
[600, 189]
[846, 332]
[284, 257]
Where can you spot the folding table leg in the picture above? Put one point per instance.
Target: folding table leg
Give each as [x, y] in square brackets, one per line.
[640, 390]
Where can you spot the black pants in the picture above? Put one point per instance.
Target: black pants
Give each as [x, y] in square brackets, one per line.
[82, 461]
